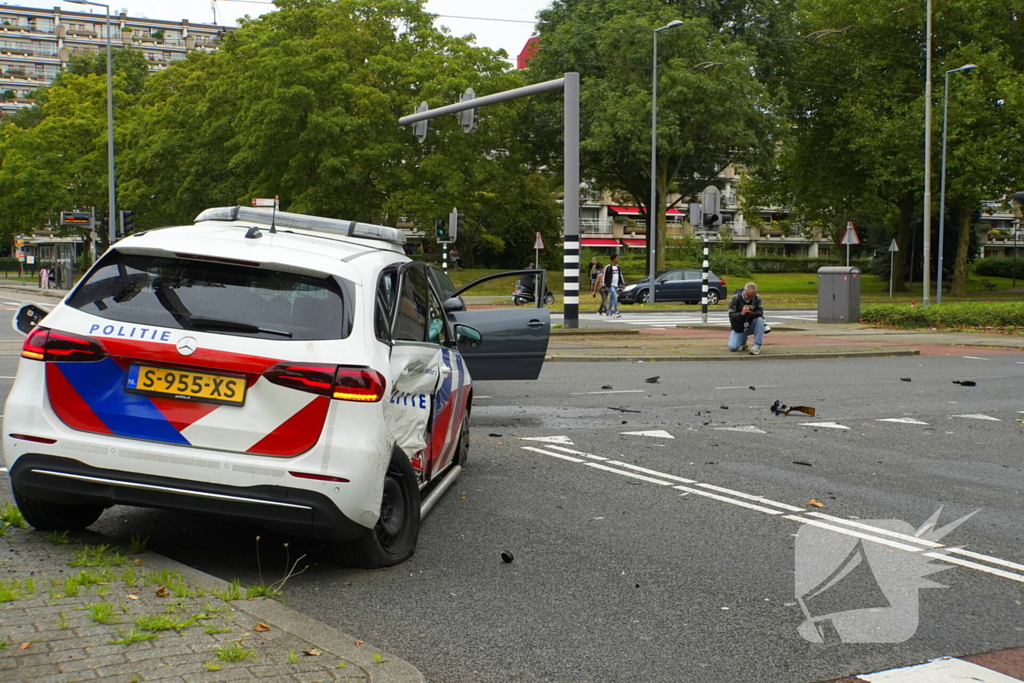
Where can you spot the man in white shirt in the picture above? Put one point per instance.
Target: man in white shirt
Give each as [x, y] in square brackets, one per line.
[614, 281]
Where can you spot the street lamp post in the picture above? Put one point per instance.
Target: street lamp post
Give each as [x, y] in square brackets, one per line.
[942, 182]
[110, 123]
[1019, 196]
[653, 210]
[926, 247]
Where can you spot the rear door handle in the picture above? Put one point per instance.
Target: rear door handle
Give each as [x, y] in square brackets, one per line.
[445, 370]
[535, 323]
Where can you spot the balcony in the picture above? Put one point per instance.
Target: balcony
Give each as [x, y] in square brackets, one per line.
[82, 33]
[595, 226]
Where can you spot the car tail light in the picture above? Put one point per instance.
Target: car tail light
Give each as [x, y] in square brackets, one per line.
[51, 346]
[721, 282]
[318, 477]
[339, 382]
[34, 439]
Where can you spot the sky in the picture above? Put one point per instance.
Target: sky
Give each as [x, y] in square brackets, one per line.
[510, 34]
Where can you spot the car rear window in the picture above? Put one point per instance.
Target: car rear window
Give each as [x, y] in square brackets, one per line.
[212, 296]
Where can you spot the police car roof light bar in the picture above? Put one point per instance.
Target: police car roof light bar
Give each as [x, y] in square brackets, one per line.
[300, 221]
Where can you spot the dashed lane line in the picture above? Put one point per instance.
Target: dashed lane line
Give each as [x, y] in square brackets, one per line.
[610, 391]
[901, 420]
[979, 416]
[838, 525]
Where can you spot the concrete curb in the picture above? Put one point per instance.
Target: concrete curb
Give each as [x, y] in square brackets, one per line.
[594, 332]
[734, 357]
[390, 669]
[47, 293]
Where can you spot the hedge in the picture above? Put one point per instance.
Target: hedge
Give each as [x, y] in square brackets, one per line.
[999, 266]
[1007, 315]
[797, 264]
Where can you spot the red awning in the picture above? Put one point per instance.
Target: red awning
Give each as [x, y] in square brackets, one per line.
[598, 242]
[642, 242]
[634, 211]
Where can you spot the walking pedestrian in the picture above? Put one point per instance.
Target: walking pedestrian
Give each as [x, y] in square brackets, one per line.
[595, 271]
[603, 291]
[614, 281]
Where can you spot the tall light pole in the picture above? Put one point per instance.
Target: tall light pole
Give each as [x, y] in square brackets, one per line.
[110, 122]
[942, 182]
[927, 242]
[653, 211]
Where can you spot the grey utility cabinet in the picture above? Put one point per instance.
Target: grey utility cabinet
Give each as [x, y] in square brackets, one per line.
[838, 294]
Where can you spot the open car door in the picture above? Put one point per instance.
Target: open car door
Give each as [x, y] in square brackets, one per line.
[514, 341]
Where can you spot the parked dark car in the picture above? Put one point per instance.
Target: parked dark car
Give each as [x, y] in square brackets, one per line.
[682, 284]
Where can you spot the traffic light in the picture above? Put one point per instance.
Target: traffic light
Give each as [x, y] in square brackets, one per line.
[712, 220]
[454, 224]
[421, 128]
[468, 117]
[441, 231]
[127, 222]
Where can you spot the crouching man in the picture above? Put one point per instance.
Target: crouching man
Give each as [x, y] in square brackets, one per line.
[746, 317]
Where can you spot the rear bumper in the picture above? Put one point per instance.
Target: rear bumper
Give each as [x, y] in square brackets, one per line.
[298, 511]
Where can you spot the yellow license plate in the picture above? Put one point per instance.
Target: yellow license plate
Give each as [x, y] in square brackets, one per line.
[185, 384]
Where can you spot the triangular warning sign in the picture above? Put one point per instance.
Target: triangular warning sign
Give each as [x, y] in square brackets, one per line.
[850, 236]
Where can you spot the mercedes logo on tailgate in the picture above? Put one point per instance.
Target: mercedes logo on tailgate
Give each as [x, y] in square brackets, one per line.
[187, 346]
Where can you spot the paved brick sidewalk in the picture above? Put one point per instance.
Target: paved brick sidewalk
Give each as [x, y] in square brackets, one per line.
[73, 609]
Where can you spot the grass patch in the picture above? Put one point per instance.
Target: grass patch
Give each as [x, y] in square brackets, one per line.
[1002, 316]
[12, 515]
[162, 622]
[293, 656]
[98, 556]
[133, 636]
[62, 623]
[101, 612]
[58, 537]
[212, 666]
[138, 543]
[212, 630]
[15, 589]
[232, 592]
[233, 652]
[262, 591]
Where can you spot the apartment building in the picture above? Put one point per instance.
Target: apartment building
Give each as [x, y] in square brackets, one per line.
[35, 44]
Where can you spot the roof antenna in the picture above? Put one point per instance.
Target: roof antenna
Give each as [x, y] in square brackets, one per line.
[273, 216]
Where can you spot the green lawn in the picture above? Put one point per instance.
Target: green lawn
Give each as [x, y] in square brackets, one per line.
[778, 289]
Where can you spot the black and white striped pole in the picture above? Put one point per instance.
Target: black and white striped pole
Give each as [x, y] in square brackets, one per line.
[444, 257]
[704, 283]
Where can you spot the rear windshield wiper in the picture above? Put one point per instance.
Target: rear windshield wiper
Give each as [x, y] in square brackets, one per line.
[199, 321]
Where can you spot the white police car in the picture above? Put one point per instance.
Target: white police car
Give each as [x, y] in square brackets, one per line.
[297, 371]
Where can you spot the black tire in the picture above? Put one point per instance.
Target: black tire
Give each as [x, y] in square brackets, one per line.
[712, 297]
[519, 301]
[462, 448]
[549, 299]
[393, 540]
[46, 516]
[643, 297]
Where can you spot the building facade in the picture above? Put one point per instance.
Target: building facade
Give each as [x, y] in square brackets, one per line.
[35, 44]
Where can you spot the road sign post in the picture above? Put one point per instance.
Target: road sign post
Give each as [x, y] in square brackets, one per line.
[849, 237]
[893, 248]
[538, 244]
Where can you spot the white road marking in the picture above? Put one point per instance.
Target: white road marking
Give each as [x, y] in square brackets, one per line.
[617, 391]
[6, 377]
[902, 420]
[975, 565]
[655, 473]
[925, 543]
[759, 386]
[569, 450]
[599, 466]
[749, 430]
[733, 501]
[760, 499]
[476, 397]
[943, 670]
[828, 425]
[975, 358]
[3, 469]
[549, 439]
[857, 534]
[656, 433]
[553, 455]
[979, 416]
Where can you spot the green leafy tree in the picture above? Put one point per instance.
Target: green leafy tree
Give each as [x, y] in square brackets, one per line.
[714, 109]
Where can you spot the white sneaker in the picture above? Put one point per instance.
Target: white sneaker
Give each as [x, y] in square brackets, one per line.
[744, 347]
[618, 315]
[755, 350]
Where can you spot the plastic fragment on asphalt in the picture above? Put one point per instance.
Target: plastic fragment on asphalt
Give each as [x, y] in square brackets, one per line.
[965, 382]
[607, 387]
[507, 557]
[904, 379]
[653, 380]
[801, 462]
[814, 502]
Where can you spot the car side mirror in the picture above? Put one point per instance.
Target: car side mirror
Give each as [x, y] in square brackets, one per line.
[454, 305]
[470, 336]
[27, 317]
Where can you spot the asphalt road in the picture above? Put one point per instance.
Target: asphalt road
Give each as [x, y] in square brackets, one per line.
[617, 578]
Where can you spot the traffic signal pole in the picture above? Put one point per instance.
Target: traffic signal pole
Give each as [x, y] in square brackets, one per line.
[570, 85]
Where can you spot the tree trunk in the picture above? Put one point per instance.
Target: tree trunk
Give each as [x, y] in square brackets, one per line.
[963, 244]
[903, 256]
[659, 213]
